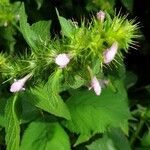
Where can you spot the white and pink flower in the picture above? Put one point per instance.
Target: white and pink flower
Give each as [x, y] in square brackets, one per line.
[95, 85]
[110, 53]
[62, 60]
[18, 85]
[100, 16]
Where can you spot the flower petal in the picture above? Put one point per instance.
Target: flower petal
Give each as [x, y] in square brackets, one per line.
[110, 53]
[62, 60]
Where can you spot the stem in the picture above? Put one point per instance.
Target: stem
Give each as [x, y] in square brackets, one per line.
[135, 135]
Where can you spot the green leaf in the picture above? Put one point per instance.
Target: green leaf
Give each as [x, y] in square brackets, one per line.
[128, 4]
[66, 26]
[147, 113]
[45, 136]
[146, 139]
[94, 114]
[42, 28]
[104, 143]
[35, 33]
[12, 127]
[75, 82]
[111, 140]
[28, 34]
[27, 111]
[82, 138]
[119, 139]
[130, 79]
[48, 98]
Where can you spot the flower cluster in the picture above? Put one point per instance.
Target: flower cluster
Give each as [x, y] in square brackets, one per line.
[82, 47]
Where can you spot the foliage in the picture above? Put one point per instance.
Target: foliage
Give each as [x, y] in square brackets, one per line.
[50, 68]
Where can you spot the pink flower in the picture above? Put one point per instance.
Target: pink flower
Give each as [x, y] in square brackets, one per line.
[18, 85]
[101, 16]
[110, 53]
[62, 60]
[95, 85]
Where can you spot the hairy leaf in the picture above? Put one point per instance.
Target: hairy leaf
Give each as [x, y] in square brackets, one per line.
[119, 139]
[12, 127]
[42, 28]
[48, 98]
[94, 114]
[45, 136]
[146, 139]
[28, 34]
[66, 26]
[112, 140]
[35, 33]
[104, 143]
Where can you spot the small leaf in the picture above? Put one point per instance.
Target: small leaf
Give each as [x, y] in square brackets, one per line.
[12, 127]
[130, 79]
[45, 136]
[42, 28]
[66, 26]
[76, 82]
[28, 34]
[146, 139]
[82, 138]
[48, 98]
[114, 139]
[27, 111]
[35, 33]
[119, 139]
[104, 143]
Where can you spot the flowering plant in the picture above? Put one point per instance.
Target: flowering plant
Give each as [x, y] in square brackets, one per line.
[65, 90]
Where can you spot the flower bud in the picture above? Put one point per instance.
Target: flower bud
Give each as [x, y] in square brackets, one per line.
[110, 53]
[100, 16]
[62, 60]
[18, 85]
[95, 85]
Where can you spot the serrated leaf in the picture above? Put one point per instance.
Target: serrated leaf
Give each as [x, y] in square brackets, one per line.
[43, 28]
[96, 66]
[67, 27]
[45, 136]
[48, 98]
[82, 138]
[12, 127]
[28, 34]
[146, 139]
[94, 114]
[76, 82]
[128, 4]
[111, 140]
[35, 33]
[104, 143]
[119, 139]
[27, 111]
